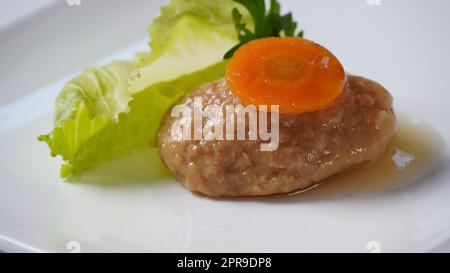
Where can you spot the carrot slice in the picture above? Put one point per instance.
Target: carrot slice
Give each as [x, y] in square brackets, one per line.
[296, 74]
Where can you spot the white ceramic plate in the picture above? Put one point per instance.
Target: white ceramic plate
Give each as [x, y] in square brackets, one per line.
[402, 44]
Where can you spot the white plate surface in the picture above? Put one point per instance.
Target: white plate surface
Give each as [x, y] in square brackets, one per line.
[402, 44]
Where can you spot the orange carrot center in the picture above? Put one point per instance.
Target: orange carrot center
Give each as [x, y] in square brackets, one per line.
[283, 68]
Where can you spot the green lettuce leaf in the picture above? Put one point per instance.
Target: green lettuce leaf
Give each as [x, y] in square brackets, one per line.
[189, 35]
[113, 109]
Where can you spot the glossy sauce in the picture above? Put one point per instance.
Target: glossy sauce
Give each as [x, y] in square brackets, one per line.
[411, 154]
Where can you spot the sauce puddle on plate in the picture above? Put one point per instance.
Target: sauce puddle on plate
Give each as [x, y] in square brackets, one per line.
[412, 152]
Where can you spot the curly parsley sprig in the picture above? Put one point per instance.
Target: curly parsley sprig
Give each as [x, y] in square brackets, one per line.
[267, 23]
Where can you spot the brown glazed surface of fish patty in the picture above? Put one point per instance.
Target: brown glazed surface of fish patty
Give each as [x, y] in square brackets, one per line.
[313, 146]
